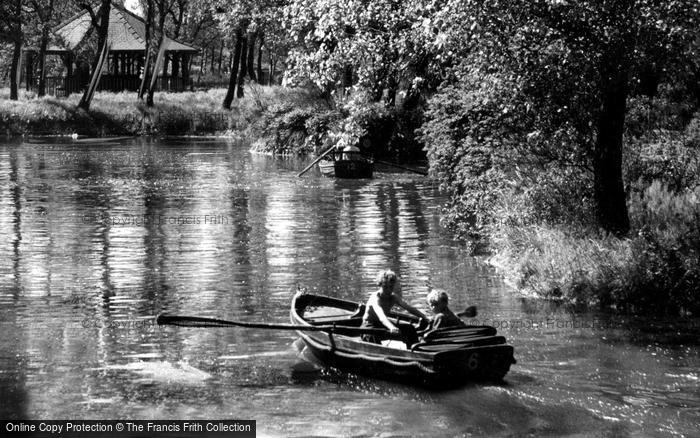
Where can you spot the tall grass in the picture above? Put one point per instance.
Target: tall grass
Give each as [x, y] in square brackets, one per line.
[656, 268]
[196, 113]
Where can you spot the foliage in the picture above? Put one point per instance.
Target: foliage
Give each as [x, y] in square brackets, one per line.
[535, 89]
[286, 129]
[369, 39]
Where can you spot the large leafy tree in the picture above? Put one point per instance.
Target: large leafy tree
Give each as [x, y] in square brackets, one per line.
[548, 82]
[368, 45]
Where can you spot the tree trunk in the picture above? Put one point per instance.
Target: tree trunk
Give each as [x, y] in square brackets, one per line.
[251, 58]
[260, 53]
[212, 60]
[233, 77]
[102, 32]
[609, 190]
[156, 66]
[146, 71]
[42, 60]
[392, 84]
[14, 70]
[161, 58]
[29, 67]
[221, 55]
[241, 74]
[95, 79]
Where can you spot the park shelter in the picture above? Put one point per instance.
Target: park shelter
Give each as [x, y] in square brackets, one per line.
[127, 45]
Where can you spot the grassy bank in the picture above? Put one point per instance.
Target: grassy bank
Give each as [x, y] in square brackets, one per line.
[188, 113]
[654, 269]
[283, 121]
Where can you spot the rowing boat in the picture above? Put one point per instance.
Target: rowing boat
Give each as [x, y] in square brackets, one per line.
[440, 358]
[347, 165]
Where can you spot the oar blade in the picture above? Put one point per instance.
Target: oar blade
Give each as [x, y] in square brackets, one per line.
[469, 312]
[191, 321]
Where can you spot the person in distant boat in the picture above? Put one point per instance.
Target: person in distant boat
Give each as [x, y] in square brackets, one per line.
[381, 302]
[444, 317]
[351, 152]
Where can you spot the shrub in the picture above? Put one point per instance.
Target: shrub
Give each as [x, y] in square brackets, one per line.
[665, 271]
[671, 157]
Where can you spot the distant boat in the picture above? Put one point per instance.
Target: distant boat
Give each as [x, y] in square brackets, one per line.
[347, 165]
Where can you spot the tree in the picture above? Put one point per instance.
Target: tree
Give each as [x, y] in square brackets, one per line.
[560, 75]
[343, 43]
[239, 20]
[233, 76]
[11, 31]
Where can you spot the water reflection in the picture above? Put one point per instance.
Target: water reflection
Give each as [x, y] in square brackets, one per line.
[97, 237]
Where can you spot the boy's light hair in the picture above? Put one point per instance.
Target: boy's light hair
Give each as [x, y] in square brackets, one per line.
[386, 276]
[437, 296]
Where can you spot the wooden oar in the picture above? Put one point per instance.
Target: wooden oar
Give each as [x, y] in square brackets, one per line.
[196, 321]
[316, 161]
[469, 312]
[387, 163]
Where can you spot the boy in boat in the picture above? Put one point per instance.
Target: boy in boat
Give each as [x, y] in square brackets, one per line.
[444, 317]
[381, 302]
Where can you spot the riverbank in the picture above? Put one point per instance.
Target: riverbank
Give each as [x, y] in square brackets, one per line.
[187, 113]
[284, 121]
[653, 269]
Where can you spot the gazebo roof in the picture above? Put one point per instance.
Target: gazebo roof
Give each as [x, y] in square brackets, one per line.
[127, 32]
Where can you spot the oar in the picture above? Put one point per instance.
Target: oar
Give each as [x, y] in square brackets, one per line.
[469, 312]
[196, 321]
[387, 163]
[316, 161]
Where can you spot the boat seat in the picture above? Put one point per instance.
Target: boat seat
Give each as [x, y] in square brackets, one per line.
[452, 344]
[351, 321]
[459, 332]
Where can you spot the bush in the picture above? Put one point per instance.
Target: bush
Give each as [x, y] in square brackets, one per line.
[666, 249]
[283, 129]
[671, 157]
[293, 122]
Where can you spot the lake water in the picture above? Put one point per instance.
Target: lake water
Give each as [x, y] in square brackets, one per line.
[98, 236]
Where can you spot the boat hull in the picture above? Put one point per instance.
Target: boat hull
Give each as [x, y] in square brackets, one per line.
[473, 356]
[351, 169]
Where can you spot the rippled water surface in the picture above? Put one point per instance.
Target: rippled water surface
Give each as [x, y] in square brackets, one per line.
[98, 236]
